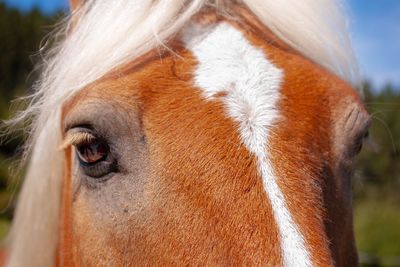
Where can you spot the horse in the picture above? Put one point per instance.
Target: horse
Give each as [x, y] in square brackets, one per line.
[177, 132]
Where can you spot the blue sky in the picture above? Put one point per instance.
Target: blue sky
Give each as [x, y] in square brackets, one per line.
[375, 28]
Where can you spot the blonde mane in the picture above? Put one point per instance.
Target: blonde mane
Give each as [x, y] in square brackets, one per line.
[103, 35]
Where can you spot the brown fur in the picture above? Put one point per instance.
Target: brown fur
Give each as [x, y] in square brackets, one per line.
[202, 200]
[75, 4]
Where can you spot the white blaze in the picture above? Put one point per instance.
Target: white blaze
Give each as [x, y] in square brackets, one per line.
[228, 63]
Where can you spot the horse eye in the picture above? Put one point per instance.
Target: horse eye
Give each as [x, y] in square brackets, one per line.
[92, 152]
[366, 135]
[95, 159]
[358, 147]
[360, 142]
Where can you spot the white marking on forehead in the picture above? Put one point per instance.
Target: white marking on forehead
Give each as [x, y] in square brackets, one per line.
[229, 63]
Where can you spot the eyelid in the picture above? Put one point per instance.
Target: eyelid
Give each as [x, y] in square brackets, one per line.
[75, 137]
[365, 129]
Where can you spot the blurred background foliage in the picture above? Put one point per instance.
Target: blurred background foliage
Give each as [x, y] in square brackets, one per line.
[21, 35]
[376, 182]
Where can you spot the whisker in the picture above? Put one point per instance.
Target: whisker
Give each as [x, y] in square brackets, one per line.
[388, 130]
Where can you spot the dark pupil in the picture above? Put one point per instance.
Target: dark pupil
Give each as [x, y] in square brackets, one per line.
[92, 152]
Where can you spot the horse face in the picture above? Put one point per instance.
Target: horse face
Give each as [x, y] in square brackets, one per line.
[241, 155]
